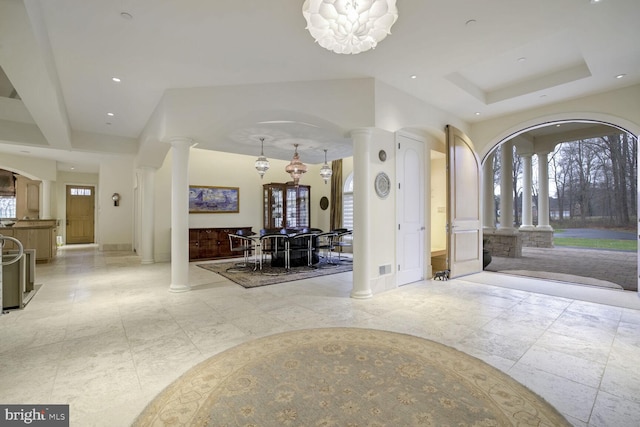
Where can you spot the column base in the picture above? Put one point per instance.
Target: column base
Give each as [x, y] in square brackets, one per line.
[361, 294]
[527, 227]
[179, 288]
[544, 227]
[147, 261]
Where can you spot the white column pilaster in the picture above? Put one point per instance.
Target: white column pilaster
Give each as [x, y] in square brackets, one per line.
[488, 196]
[45, 205]
[147, 214]
[543, 194]
[506, 187]
[362, 244]
[527, 199]
[180, 214]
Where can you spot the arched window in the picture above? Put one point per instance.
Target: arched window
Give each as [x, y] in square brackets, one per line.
[347, 203]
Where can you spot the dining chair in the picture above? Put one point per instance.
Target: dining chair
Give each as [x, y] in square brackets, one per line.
[324, 243]
[247, 245]
[275, 245]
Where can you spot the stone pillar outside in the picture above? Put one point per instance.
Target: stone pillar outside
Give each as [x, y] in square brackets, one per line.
[527, 198]
[506, 187]
[180, 214]
[362, 193]
[543, 195]
[147, 214]
[488, 196]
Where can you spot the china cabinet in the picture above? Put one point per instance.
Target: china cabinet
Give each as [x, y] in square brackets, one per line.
[286, 206]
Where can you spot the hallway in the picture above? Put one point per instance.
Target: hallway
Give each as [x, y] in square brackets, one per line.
[104, 334]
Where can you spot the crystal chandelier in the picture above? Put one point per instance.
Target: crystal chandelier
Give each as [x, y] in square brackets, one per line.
[296, 168]
[262, 164]
[325, 170]
[349, 26]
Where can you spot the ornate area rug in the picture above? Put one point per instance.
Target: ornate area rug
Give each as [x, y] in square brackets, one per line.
[346, 377]
[248, 278]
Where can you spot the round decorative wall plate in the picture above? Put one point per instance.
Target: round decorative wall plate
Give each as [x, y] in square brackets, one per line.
[382, 155]
[382, 185]
[324, 203]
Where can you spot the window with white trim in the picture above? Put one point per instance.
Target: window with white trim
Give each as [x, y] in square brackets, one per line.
[347, 203]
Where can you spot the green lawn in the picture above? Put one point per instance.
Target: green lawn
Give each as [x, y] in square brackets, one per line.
[623, 245]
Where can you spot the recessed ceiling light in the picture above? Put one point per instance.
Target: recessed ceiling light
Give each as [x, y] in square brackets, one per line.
[619, 76]
[594, 1]
[126, 15]
[72, 168]
[110, 114]
[558, 125]
[477, 113]
[522, 59]
[116, 79]
[414, 76]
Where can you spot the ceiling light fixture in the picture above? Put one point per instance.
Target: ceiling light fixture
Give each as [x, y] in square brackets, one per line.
[115, 79]
[262, 164]
[110, 114]
[349, 26]
[325, 170]
[296, 168]
[620, 76]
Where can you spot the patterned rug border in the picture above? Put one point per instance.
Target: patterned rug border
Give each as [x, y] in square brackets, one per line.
[226, 364]
[247, 278]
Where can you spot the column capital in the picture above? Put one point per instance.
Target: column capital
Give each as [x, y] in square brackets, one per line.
[181, 141]
[362, 131]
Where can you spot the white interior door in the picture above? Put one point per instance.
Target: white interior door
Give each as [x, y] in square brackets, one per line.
[410, 210]
[464, 177]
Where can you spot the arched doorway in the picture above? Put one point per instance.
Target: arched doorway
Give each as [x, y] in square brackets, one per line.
[528, 221]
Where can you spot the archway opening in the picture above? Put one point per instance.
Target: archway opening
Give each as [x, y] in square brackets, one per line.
[564, 204]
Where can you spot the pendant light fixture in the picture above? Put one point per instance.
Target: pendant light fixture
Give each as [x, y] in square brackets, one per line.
[296, 168]
[262, 164]
[325, 170]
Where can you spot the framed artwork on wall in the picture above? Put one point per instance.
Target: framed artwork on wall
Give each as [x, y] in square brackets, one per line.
[204, 199]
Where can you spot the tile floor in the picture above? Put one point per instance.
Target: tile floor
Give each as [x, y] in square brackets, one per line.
[104, 334]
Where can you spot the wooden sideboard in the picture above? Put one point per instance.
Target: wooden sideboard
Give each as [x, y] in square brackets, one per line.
[34, 234]
[212, 243]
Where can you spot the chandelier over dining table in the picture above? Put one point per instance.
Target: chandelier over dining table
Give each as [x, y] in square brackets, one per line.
[349, 26]
[296, 168]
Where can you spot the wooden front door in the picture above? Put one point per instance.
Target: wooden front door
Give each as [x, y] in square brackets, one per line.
[80, 214]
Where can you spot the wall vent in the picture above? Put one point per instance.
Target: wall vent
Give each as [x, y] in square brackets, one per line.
[384, 269]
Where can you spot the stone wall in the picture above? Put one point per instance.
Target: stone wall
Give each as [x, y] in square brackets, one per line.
[507, 245]
[537, 238]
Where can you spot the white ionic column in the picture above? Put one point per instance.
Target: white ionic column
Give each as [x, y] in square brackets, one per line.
[506, 187]
[488, 196]
[147, 214]
[543, 193]
[527, 171]
[362, 242]
[45, 206]
[180, 214]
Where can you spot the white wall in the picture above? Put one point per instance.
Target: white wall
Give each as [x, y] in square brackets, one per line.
[115, 223]
[31, 167]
